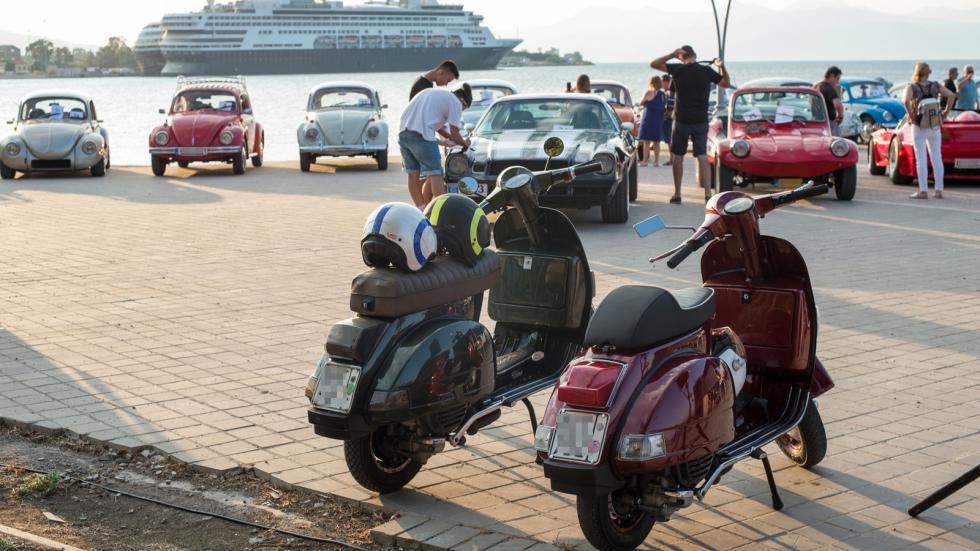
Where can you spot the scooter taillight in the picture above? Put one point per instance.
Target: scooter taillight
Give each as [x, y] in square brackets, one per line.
[589, 383]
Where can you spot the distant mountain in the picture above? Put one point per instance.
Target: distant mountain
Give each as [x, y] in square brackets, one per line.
[22, 40]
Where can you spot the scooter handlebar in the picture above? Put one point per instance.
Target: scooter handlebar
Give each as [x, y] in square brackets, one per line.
[798, 194]
[699, 240]
[570, 173]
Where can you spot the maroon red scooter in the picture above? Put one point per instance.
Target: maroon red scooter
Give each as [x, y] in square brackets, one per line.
[676, 387]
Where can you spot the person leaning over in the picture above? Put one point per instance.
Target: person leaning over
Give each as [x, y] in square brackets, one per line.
[692, 82]
[433, 111]
[925, 115]
[446, 72]
[950, 84]
[966, 90]
[831, 98]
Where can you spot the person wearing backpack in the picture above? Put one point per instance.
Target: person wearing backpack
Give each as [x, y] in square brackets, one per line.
[926, 116]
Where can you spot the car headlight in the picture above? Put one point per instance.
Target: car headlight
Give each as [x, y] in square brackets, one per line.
[89, 148]
[741, 148]
[840, 148]
[641, 447]
[162, 137]
[373, 132]
[607, 161]
[457, 164]
[311, 133]
[887, 116]
[226, 137]
[12, 149]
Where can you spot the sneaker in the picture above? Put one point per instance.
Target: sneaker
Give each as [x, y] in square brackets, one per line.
[919, 195]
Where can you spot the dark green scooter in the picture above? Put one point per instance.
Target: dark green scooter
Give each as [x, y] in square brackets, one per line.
[415, 368]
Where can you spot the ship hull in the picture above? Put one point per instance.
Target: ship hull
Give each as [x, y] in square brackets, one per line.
[151, 62]
[313, 61]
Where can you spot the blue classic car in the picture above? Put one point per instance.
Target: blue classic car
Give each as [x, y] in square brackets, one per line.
[869, 99]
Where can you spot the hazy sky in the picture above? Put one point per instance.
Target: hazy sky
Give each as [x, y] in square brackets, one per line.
[625, 30]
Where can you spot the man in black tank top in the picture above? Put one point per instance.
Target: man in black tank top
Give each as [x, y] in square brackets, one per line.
[446, 72]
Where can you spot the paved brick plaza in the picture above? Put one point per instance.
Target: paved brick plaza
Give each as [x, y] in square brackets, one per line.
[185, 314]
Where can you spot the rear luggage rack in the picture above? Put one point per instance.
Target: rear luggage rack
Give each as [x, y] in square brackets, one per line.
[184, 82]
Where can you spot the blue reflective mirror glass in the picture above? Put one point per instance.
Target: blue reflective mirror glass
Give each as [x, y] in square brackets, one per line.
[650, 225]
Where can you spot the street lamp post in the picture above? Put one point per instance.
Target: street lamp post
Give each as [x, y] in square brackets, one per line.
[721, 32]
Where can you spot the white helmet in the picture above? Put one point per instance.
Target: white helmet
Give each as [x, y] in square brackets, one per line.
[398, 234]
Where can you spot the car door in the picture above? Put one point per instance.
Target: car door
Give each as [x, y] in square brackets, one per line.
[248, 121]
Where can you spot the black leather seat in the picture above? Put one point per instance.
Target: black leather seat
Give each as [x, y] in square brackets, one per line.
[520, 120]
[391, 293]
[635, 317]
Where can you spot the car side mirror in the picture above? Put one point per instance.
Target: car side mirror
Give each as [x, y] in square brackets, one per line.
[162, 111]
[385, 106]
[11, 121]
[100, 121]
[469, 127]
[247, 111]
[626, 126]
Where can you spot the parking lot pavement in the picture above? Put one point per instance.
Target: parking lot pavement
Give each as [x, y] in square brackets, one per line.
[185, 313]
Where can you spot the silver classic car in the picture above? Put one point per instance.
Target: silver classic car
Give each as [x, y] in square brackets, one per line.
[55, 130]
[343, 119]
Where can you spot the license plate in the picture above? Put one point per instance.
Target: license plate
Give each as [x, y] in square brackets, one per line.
[481, 190]
[191, 151]
[967, 163]
[336, 385]
[579, 436]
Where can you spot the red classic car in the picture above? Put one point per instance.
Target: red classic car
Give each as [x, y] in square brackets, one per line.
[617, 95]
[891, 151]
[772, 132]
[210, 120]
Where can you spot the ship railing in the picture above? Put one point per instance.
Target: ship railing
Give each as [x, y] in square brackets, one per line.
[184, 82]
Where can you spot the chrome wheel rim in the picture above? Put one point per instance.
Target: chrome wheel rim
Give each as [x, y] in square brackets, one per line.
[389, 465]
[627, 520]
[792, 443]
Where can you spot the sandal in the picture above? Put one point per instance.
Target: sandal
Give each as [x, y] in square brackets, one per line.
[675, 200]
[919, 195]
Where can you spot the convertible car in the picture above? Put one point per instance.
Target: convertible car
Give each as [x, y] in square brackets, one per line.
[513, 130]
[210, 120]
[485, 92]
[343, 119]
[618, 96]
[891, 152]
[869, 99]
[55, 131]
[851, 125]
[779, 132]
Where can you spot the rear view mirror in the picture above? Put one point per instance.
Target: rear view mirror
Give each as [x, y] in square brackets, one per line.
[553, 146]
[649, 226]
[468, 185]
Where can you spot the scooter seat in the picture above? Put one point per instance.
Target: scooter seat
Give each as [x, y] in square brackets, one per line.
[391, 293]
[635, 317]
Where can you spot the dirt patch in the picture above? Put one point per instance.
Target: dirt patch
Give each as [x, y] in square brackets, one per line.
[98, 519]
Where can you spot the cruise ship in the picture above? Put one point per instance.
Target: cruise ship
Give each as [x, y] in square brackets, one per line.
[318, 36]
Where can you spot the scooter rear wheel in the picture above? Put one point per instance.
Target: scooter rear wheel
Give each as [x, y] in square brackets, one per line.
[609, 527]
[375, 465]
[806, 444]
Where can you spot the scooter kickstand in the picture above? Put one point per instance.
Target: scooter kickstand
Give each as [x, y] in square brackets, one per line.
[777, 503]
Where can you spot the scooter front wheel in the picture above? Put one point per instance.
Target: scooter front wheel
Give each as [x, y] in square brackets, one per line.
[806, 444]
[375, 463]
[612, 523]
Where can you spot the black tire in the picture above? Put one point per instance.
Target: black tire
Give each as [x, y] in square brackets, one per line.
[617, 209]
[382, 158]
[634, 182]
[108, 158]
[183, 164]
[159, 165]
[873, 167]
[806, 445]
[866, 124]
[725, 179]
[894, 173]
[258, 159]
[7, 173]
[713, 170]
[845, 183]
[305, 161]
[238, 162]
[98, 169]
[376, 474]
[606, 533]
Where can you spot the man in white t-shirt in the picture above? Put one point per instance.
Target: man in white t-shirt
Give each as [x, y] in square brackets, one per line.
[434, 111]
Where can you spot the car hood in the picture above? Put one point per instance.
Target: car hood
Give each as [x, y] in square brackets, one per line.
[342, 126]
[198, 129]
[799, 141]
[580, 145]
[51, 140]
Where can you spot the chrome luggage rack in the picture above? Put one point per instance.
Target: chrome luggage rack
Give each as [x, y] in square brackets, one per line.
[183, 82]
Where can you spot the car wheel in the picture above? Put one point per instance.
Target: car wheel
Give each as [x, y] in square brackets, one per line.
[7, 173]
[98, 169]
[634, 182]
[108, 158]
[382, 158]
[873, 166]
[258, 158]
[238, 162]
[725, 178]
[305, 160]
[894, 173]
[845, 183]
[867, 123]
[183, 164]
[158, 164]
[616, 210]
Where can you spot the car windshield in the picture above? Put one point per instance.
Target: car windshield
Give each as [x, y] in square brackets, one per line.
[199, 100]
[483, 96]
[332, 98]
[867, 90]
[778, 107]
[547, 115]
[613, 94]
[53, 109]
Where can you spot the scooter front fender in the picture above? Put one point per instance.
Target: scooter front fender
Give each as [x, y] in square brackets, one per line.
[821, 381]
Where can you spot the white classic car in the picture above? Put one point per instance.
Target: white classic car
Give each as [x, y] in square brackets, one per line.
[343, 119]
[55, 130]
[485, 92]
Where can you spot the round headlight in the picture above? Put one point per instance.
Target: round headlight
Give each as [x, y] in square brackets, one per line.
[373, 132]
[457, 164]
[89, 148]
[162, 137]
[226, 137]
[887, 116]
[741, 148]
[311, 133]
[12, 149]
[840, 148]
[607, 161]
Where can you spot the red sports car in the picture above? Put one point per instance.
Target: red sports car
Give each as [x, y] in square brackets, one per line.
[210, 120]
[776, 132]
[891, 151]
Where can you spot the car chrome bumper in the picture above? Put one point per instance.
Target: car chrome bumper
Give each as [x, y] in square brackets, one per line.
[342, 149]
[195, 151]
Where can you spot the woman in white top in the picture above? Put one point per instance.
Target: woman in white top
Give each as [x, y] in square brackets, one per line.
[926, 141]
